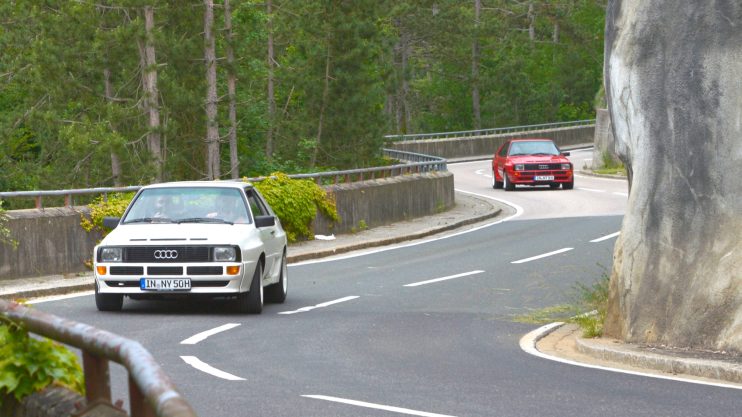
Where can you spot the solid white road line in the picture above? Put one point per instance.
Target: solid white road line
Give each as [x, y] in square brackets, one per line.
[533, 258]
[591, 190]
[203, 335]
[518, 211]
[622, 194]
[528, 345]
[329, 303]
[465, 274]
[59, 297]
[376, 406]
[205, 367]
[600, 239]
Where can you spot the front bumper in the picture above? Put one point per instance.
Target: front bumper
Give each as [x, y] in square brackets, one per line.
[205, 278]
[529, 177]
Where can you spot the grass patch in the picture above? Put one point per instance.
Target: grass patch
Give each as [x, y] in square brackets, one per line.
[587, 309]
[611, 166]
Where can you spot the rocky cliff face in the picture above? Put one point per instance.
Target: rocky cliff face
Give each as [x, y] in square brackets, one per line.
[674, 89]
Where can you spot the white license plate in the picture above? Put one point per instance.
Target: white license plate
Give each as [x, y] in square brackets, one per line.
[544, 178]
[165, 284]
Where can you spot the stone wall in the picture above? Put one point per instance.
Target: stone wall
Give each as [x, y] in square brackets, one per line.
[604, 141]
[476, 146]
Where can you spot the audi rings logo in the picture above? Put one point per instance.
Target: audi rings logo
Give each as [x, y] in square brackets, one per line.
[166, 254]
[543, 167]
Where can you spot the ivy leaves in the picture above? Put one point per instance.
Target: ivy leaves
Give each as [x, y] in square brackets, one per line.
[29, 364]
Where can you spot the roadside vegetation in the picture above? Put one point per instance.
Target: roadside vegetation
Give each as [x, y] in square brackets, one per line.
[6, 237]
[611, 166]
[29, 364]
[587, 308]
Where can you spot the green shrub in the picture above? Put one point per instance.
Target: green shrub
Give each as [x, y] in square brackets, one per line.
[296, 203]
[28, 365]
[5, 235]
[101, 207]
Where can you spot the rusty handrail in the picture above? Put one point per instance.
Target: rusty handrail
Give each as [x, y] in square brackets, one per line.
[151, 391]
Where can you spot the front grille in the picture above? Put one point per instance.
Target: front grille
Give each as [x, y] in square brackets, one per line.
[167, 254]
[542, 167]
[205, 270]
[127, 270]
[165, 270]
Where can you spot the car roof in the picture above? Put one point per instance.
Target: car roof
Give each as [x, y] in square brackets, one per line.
[204, 184]
[532, 140]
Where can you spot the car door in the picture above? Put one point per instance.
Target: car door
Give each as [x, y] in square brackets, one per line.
[500, 159]
[273, 237]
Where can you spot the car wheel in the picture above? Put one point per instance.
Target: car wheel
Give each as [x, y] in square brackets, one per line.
[108, 302]
[509, 186]
[495, 184]
[568, 185]
[276, 293]
[252, 301]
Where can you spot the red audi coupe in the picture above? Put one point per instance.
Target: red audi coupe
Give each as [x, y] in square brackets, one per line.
[531, 162]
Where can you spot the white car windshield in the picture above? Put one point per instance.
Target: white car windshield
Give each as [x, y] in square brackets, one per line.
[188, 205]
[540, 147]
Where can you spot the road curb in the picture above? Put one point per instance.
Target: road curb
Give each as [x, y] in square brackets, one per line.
[47, 292]
[705, 368]
[593, 174]
[391, 240]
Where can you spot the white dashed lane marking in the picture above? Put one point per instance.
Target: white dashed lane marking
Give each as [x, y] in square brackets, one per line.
[376, 406]
[431, 281]
[533, 258]
[329, 303]
[203, 335]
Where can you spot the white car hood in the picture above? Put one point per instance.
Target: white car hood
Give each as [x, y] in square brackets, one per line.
[171, 234]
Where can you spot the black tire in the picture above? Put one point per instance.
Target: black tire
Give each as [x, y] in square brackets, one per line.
[509, 186]
[276, 293]
[568, 185]
[495, 184]
[251, 302]
[108, 302]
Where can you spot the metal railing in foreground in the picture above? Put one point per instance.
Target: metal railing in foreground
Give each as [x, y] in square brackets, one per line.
[416, 163]
[488, 132]
[150, 391]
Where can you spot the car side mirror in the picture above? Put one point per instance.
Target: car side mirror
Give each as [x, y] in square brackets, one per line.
[565, 153]
[111, 222]
[264, 221]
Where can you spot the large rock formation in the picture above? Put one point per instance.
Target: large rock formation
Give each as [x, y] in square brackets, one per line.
[674, 88]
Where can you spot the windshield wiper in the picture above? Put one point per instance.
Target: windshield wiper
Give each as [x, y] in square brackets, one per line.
[203, 220]
[150, 220]
[544, 153]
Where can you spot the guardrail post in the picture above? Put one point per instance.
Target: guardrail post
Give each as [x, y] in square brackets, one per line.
[68, 200]
[137, 403]
[38, 202]
[97, 378]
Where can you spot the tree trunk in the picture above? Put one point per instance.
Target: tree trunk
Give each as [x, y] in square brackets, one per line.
[234, 159]
[475, 68]
[531, 22]
[325, 97]
[271, 93]
[403, 112]
[212, 127]
[151, 94]
[674, 98]
[115, 162]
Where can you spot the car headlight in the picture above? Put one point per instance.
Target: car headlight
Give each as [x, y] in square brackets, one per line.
[225, 254]
[566, 167]
[111, 255]
[519, 167]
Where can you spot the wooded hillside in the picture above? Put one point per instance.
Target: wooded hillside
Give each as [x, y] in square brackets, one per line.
[117, 92]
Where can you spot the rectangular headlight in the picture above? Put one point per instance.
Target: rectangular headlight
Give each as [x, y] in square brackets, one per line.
[111, 255]
[566, 167]
[225, 254]
[519, 167]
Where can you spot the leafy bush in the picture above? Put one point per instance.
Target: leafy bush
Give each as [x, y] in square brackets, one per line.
[5, 236]
[28, 365]
[296, 203]
[114, 206]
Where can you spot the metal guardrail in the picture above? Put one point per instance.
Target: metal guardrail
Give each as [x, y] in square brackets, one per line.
[417, 163]
[487, 132]
[151, 393]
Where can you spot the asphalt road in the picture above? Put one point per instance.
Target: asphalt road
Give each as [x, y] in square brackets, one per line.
[423, 330]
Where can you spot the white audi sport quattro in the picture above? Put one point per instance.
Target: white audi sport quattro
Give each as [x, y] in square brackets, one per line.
[193, 239]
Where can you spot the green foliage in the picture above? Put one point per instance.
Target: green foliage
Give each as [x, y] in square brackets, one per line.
[296, 203]
[28, 364]
[611, 166]
[5, 235]
[587, 309]
[113, 206]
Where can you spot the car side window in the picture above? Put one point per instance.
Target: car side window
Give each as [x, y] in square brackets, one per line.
[504, 149]
[256, 204]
